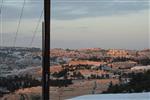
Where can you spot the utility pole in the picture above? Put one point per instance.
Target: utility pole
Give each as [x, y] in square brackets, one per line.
[46, 51]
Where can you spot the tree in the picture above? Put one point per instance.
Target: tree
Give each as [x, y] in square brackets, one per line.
[139, 82]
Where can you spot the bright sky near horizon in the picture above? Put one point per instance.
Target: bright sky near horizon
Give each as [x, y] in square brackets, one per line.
[80, 23]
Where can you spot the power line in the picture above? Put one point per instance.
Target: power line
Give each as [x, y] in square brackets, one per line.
[20, 18]
[36, 28]
[1, 32]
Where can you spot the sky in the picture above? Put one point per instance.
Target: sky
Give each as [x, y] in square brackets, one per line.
[122, 24]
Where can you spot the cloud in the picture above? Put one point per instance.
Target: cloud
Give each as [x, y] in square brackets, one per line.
[129, 31]
[73, 9]
[78, 23]
[94, 8]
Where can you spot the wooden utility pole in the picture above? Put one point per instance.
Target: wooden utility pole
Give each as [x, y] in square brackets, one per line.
[46, 51]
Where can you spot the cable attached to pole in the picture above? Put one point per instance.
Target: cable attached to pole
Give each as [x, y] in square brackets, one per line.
[36, 29]
[20, 18]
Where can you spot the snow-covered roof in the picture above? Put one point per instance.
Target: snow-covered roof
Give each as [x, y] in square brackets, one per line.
[129, 96]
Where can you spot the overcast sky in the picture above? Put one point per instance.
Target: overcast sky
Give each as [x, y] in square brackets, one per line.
[80, 23]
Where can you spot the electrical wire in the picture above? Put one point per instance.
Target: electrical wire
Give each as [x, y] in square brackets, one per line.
[20, 18]
[36, 28]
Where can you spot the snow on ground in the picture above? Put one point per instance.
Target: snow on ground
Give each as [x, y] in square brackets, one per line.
[132, 96]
